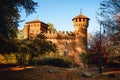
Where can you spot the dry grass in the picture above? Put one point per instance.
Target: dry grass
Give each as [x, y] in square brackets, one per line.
[53, 73]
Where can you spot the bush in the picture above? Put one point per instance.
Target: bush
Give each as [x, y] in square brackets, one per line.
[91, 59]
[116, 59]
[8, 58]
[22, 58]
[54, 62]
[88, 58]
[112, 65]
[53, 59]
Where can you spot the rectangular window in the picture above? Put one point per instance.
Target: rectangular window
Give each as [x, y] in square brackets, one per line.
[83, 19]
[76, 20]
[80, 19]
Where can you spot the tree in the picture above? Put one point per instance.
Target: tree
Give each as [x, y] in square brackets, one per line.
[35, 47]
[42, 45]
[114, 48]
[91, 39]
[97, 45]
[9, 20]
[8, 46]
[23, 51]
[10, 15]
[109, 15]
[51, 27]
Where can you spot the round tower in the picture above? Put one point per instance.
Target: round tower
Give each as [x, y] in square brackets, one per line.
[80, 24]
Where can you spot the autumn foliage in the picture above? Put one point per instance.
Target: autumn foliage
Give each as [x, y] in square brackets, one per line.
[92, 57]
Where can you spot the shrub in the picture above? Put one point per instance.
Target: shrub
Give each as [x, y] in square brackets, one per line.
[22, 58]
[91, 59]
[54, 62]
[83, 58]
[116, 59]
[8, 58]
[112, 65]
[53, 59]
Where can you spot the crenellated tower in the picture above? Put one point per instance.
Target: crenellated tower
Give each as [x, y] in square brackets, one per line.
[80, 24]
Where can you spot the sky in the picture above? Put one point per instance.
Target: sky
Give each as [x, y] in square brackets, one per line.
[61, 12]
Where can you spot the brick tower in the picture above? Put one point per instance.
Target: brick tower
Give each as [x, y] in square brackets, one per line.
[80, 24]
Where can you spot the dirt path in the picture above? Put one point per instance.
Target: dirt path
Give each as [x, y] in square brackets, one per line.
[17, 68]
[55, 73]
[112, 71]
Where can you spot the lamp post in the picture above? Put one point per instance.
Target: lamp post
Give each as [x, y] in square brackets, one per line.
[100, 53]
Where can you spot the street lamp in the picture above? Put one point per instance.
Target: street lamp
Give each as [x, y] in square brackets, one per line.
[100, 53]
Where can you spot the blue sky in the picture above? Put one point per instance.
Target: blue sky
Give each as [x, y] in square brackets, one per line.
[61, 12]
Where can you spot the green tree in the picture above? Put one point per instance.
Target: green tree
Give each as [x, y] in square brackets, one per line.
[9, 20]
[51, 27]
[35, 47]
[8, 46]
[42, 45]
[10, 15]
[23, 51]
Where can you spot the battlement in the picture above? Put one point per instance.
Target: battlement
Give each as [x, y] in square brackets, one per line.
[60, 35]
[58, 32]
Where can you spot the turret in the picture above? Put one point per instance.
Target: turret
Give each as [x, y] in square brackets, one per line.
[80, 24]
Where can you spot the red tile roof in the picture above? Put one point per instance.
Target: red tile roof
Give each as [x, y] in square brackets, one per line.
[34, 21]
[80, 16]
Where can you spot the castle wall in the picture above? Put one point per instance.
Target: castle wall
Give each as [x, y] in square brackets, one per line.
[65, 41]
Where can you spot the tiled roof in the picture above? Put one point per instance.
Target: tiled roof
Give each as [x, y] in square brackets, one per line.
[34, 21]
[80, 16]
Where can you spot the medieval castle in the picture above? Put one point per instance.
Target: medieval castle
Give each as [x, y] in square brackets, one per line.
[68, 43]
